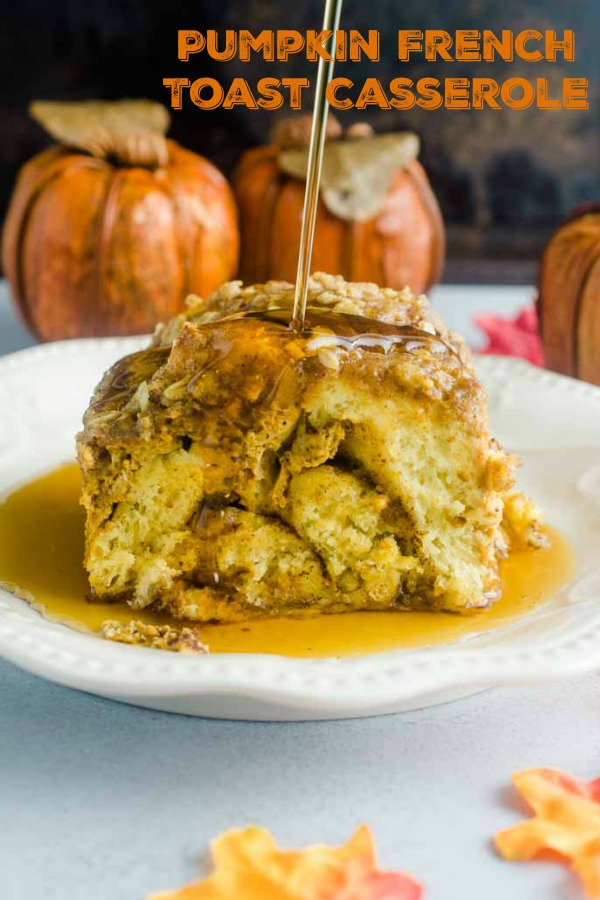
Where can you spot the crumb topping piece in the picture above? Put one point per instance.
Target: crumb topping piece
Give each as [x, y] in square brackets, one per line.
[158, 637]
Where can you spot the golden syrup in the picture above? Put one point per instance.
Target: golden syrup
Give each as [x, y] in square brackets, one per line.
[41, 552]
[316, 147]
[263, 341]
[347, 331]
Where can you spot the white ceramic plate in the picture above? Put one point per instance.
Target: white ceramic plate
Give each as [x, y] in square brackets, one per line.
[553, 422]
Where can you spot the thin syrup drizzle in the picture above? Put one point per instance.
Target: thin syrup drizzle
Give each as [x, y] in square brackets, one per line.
[331, 21]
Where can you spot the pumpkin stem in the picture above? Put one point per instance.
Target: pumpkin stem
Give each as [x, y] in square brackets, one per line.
[293, 132]
[359, 131]
[132, 132]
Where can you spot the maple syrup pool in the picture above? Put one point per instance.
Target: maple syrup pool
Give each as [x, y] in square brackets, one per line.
[41, 553]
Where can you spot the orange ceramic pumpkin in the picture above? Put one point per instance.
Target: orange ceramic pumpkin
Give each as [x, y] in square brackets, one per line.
[569, 296]
[401, 243]
[110, 240]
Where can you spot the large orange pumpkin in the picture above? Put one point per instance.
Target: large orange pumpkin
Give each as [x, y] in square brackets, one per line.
[569, 296]
[110, 238]
[400, 243]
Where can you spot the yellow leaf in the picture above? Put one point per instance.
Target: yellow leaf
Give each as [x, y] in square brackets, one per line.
[566, 822]
[249, 866]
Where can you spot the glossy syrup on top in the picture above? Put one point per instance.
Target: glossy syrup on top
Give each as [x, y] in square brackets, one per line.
[346, 330]
[41, 552]
[230, 339]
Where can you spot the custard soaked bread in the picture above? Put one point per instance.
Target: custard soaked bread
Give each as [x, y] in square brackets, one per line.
[236, 469]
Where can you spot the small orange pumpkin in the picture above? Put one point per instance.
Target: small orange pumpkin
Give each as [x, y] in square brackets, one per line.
[569, 296]
[107, 233]
[378, 219]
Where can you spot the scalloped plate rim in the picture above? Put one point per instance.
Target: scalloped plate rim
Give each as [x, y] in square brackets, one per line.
[294, 688]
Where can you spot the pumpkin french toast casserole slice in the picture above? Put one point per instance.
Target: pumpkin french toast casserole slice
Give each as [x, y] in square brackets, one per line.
[237, 469]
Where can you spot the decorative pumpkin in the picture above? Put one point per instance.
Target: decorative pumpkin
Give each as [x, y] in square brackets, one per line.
[107, 233]
[378, 219]
[569, 296]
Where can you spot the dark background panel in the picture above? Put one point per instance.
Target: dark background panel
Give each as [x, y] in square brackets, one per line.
[504, 178]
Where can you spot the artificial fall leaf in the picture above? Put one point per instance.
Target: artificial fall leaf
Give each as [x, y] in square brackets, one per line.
[357, 174]
[514, 337]
[249, 866]
[133, 131]
[566, 823]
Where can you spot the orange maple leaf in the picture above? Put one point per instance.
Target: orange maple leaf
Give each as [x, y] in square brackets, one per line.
[566, 823]
[249, 866]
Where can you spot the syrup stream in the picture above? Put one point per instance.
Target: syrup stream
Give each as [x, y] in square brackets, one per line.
[331, 23]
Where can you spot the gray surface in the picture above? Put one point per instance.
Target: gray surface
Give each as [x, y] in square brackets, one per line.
[108, 802]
